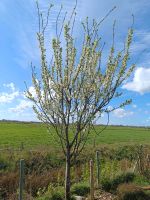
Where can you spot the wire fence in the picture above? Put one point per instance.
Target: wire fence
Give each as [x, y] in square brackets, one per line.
[37, 171]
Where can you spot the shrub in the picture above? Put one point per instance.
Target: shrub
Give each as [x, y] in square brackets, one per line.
[3, 166]
[81, 189]
[106, 184]
[146, 174]
[125, 152]
[141, 180]
[15, 196]
[131, 192]
[8, 184]
[53, 193]
[7, 161]
[57, 196]
[34, 182]
[112, 184]
[37, 162]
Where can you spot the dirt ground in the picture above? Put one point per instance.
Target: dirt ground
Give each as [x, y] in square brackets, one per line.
[99, 195]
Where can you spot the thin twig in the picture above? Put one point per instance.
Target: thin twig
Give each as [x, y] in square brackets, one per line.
[57, 21]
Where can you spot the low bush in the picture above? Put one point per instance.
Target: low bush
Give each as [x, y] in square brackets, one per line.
[3, 166]
[7, 162]
[146, 174]
[15, 196]
[141, 180]
[110, 185]
[8, 184]
[81, 189]
[53, 193]
[57, 196]
[131, 192]
[34, 182]
[125, 152]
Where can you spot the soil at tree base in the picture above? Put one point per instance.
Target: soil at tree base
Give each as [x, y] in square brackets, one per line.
[101, 195]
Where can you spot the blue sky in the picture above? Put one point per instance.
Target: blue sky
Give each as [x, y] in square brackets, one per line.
[18, 48]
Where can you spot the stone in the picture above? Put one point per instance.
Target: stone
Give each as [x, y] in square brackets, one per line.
[79, 198]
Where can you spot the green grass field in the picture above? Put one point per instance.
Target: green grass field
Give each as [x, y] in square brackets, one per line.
[33, 135]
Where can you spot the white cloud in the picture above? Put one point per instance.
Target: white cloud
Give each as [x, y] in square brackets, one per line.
[7, 97]
[140, 82]
[10, 85]
[120, 113]
[148, 120]
[23, 105]
[134, 106]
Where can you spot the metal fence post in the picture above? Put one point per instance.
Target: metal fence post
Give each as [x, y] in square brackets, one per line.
[91, 180]
[21, 179]
[98, 167]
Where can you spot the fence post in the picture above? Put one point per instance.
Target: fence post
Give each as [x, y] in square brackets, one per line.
[21, 179]
[98, 167]
[91, 180]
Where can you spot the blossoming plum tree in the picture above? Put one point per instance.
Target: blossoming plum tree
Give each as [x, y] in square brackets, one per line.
[73, 91]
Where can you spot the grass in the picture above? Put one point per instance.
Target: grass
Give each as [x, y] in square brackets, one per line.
[12, 134]
[116, 134]
[33, 135]
[47, 167]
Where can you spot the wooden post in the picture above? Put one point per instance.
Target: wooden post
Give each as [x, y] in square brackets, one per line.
[21, 179]
[135, 166]
[98, 167]
[91, 180]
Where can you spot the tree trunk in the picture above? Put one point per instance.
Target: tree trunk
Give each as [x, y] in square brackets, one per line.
[67, 176]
